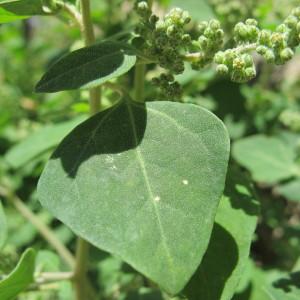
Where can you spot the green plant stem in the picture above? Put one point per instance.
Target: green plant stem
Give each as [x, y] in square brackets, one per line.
[89, 39]
[139, 82]
[48, 277]
[82, 255]
[43, 229]
[192, 57]
[82, 287]
[72, 11]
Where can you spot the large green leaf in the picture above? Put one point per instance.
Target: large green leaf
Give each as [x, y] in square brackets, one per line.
[224, 262]
[11, 10]
[88, 67]
[144, 183]
[42, 140]
[290, 190]
[3, 226]
[20, 278]
[267, 158]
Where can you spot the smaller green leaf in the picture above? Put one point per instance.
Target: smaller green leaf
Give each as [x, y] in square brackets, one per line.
[225, 259]
[3, 227]
[20, 278]
[268, 159]
[290, 190]
[88, 67]
[6, 16]
[12, 10]
[269, 285]
[42, 140]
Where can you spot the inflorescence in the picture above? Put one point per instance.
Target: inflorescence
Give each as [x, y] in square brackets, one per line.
[167, 42]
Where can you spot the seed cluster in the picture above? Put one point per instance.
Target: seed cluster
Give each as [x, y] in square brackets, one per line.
[166, 42]
[275, 47]
[209, 42]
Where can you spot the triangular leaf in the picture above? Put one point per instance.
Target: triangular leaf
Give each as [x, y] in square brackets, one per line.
[142, 182]
[88, 67]
[20, 278]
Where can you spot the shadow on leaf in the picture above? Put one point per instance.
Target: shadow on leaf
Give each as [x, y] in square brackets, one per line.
[217, 265]
[112, 131]
[239, 190]
[286, 284]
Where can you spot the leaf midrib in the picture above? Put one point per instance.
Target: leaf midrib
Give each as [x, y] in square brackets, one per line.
[148, 185]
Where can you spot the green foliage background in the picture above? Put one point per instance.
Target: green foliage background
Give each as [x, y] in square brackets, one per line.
[263, 120]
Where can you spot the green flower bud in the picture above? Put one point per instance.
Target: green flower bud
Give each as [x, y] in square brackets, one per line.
[186, 17]
[269, 56]
[203, 41]
[278, 40]
[250, 73]
[238, 63]
[265, 37]
[143, 9]
[282, 28]
[222, 69]
[291, 21]
[219, 57]
[209, 32]
[240, 30]
[186, 39]
[253, 33]
[202, 26]
[248, 60]
[220, 34]
[214, 24]
[171, 30]
[296, 12]
[251, 22]
[286, 54]
[261, 49]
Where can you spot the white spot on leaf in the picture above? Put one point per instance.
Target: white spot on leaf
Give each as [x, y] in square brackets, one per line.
[157, 199]
[185, 182]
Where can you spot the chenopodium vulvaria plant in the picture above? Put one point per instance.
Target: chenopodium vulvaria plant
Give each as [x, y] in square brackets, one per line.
[168, 43]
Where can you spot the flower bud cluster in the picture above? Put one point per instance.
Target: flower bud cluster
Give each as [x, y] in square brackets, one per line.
[209, 42]
[239, 65]
[232, 11]
[164, 40]
[169, 87]
[278, 47]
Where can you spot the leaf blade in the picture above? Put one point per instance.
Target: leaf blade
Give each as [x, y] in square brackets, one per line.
[135, 218]
[88, 67]
[20, 278]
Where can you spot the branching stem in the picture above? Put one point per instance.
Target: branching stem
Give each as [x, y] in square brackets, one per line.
[83, 289]
[43, 229]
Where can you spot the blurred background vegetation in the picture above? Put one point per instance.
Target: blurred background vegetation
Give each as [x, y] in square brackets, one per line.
[262, 116]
